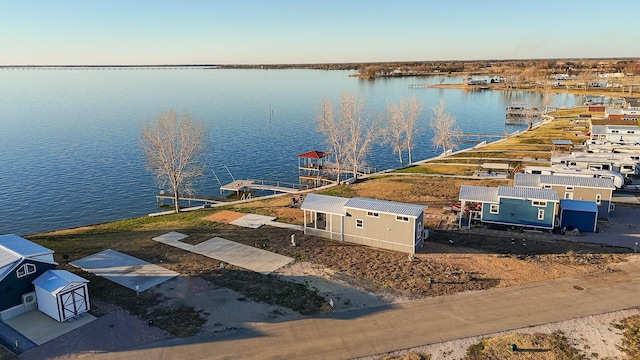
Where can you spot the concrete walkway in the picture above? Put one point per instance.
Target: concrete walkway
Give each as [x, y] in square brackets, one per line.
[247, 257]
[380, 330]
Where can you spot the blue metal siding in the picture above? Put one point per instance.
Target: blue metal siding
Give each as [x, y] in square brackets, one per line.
[582, 220]
[520, 212]
[12, 287]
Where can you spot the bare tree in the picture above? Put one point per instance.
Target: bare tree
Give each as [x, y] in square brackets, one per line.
[401, 125]
[360, 133]
[335, 135]
[445, 132]
[173, 145]
[350, 136]
[394, 131]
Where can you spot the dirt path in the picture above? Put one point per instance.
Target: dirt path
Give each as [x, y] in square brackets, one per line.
[410, 324]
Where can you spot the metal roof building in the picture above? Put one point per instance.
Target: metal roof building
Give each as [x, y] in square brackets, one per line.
[325, 204]
[535, 180]
[388, 207]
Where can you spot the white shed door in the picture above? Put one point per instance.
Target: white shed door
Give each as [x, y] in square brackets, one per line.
[73, 302]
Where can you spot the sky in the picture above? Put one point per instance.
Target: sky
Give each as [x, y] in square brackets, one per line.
[144, 32]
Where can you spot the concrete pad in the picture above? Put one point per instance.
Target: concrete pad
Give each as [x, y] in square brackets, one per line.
[125, 270]
[171, 236]
[40, 328]
[252, 221]
[241, 255]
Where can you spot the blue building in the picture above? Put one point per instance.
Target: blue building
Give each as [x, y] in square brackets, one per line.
[509, 205]
[21, 262]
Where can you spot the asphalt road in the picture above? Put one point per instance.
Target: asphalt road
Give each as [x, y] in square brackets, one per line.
[380, 330]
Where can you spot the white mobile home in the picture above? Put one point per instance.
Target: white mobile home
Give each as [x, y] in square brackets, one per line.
[617, 178]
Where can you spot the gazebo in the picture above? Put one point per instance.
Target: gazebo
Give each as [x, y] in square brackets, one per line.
[313, 167]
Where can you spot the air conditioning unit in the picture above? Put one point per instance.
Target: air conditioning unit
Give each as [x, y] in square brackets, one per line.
[29, 298]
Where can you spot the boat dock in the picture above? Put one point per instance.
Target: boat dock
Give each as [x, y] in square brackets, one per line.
[201, 199]
[265, 185]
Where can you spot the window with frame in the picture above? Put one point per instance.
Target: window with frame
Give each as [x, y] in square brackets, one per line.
[546, 186]
[402, 218]
[568, 195]
[373, 214]
[359, 223]
[494, 209]
[569, 188]
[539, 203]
[540, 214]
[25, 269]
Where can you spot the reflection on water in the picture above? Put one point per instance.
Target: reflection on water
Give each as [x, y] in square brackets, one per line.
[68, 147]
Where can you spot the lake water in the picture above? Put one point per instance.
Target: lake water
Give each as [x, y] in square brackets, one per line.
[69, 152]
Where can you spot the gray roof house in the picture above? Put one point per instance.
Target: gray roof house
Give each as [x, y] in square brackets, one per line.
[378, 223]
[598, 190]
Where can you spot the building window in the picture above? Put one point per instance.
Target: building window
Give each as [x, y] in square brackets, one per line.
[569, 188]
[546, 186]
[494, 209]
[26, 269]
[540, 214]
[402, 218]
[598, 199]
[373, 214]
[568, 195]
[359, 223]
[539, 203]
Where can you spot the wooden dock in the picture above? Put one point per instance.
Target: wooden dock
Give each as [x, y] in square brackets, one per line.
[202, 199]
[264, 185]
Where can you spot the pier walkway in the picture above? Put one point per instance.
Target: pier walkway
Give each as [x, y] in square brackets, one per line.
[276, 186]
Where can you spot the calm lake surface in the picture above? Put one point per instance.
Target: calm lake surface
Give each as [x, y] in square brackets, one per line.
[69, 152]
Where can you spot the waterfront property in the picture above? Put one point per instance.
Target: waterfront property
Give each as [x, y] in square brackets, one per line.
[378, 223]
[21, 262]
[509, 205]
[596, 190]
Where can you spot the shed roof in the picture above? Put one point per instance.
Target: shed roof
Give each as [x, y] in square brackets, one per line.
[314, 154]
[527, 193]
[325, 204]
[579, 205]
[389, 207]
[534, 180]
[479, 194]
[54, 281]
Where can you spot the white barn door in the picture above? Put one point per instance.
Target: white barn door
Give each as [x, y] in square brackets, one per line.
[73, 302]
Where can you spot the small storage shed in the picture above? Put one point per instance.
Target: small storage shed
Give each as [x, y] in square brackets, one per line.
[580, 214]
[61, 294]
